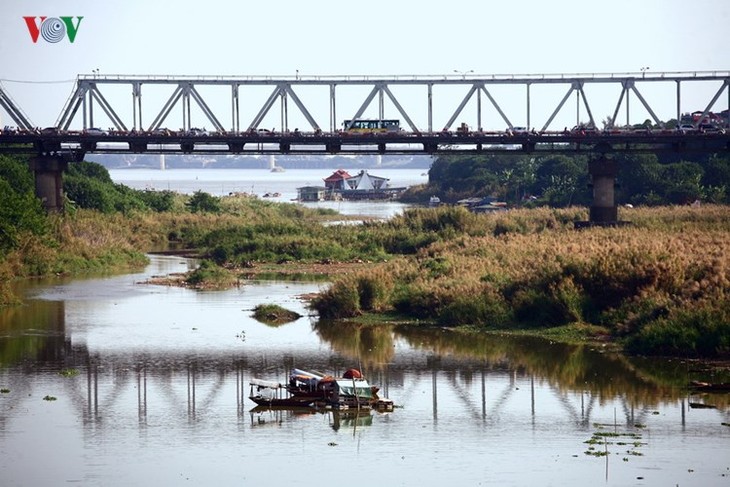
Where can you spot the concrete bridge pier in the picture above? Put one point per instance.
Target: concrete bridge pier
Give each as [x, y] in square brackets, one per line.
[49, 181]
[603, 175]
[603, 211]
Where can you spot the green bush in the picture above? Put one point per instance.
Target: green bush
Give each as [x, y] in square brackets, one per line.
[274, 315]
[89, 170]
[482, 311]
[575, 303]
[17, 173]
[91, 188]
[374, 292]
[341, 300]
[701, 332]
[158, 201]
[210, 275]
[536, 308]
[202, 202]
[418, 302]
[20, 212]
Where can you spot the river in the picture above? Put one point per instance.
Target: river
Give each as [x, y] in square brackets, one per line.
[109, 381]
[261, 182]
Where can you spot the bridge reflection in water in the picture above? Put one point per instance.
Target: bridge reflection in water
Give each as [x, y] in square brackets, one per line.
[484, 377]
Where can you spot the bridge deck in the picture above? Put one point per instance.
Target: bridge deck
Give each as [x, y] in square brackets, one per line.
[347, 143]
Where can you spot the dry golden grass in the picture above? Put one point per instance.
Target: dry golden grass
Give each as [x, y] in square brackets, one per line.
[531, 267]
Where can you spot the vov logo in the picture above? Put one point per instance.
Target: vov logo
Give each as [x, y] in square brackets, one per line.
[53, 29]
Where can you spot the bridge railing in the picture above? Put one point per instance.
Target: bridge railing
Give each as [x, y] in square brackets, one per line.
[394, 78]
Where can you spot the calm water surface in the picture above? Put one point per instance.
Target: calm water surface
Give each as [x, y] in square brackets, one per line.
[150, 387]
[158, 385]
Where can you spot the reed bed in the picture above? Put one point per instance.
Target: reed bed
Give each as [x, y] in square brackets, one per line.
[661, 285]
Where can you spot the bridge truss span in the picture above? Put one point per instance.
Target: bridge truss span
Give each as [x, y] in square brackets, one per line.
[423, 104]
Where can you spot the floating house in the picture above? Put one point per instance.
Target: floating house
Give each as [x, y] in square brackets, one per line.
[341, 185]
[311, 193]
[362, 186]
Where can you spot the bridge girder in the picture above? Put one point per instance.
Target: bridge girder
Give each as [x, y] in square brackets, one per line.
[88, 93]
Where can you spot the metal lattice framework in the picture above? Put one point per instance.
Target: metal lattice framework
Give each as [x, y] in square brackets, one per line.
[186, 94]
[16, 114]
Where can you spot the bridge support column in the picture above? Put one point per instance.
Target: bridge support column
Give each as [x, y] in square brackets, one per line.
[603, 211]
[48, 181]
[603, 175]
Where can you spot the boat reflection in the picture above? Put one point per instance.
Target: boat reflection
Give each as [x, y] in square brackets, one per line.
[262, 416]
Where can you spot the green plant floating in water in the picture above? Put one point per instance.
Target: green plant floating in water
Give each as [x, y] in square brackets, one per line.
[4, 391]
[49, 398]
[606, 439]
[68, 372]
[274, 315]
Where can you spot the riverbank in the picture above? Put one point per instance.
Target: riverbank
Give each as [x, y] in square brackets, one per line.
[285, 271]
[658, 286]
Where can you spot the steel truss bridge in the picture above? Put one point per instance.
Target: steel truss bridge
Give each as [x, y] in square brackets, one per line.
[206, 101]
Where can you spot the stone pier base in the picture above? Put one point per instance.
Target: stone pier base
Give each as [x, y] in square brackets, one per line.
[603, 211]
[603, 175]
[49, 181]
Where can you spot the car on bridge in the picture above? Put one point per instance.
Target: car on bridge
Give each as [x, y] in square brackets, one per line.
[584, 130]
[709, 128]
[640, 129]
[516, 130]
[686, 128]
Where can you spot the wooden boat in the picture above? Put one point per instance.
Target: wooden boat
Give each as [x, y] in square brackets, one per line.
[274, 394]
[310, 389]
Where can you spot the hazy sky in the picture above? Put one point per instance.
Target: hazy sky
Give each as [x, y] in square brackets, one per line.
[319, 37]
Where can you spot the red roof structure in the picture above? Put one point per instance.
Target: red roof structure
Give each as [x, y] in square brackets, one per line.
[337, 179]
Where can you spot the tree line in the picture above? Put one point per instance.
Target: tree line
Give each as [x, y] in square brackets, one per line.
[563, 180]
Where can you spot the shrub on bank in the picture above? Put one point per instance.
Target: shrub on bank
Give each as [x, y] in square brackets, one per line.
[341, 300]
[373, 290]
[487, 309]
[701, 332]
[20, 213]
[209, 275]
[202, 202]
